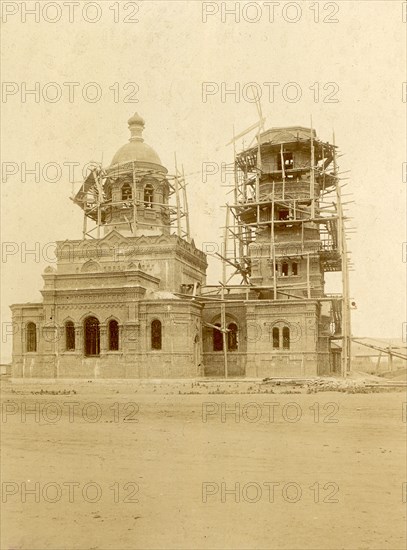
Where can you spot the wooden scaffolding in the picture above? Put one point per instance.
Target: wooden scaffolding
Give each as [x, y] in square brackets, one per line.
[321, 205]
[96, 204]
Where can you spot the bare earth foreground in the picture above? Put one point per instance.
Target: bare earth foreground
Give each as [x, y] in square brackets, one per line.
[138, 465]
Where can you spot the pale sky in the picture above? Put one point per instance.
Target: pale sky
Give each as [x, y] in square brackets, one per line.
[169, 53]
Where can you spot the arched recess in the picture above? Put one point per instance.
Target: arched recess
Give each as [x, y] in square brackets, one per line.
[156, 334]
[286, 338]
[31, 337]
[217, 338]
[276, 337]
[113, 335]
[91, 336]
[69, 335]
[233, 337]
[91, 267]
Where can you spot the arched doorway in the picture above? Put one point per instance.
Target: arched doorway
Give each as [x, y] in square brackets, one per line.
[91, 336]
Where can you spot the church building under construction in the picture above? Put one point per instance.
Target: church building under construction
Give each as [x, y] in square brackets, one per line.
[130, 299]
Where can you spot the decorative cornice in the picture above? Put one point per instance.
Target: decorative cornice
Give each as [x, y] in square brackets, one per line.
[114, 242]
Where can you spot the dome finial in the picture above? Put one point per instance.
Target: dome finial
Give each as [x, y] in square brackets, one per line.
[136, 127]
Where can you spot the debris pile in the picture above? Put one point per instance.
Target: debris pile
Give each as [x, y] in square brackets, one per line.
[339, 385]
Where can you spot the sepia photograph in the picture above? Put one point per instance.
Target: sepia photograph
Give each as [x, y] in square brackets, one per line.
[203, 275]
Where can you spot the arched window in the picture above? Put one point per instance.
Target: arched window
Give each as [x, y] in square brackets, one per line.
[232, 337]
[126, 192]
[31, 333]
[284, 269]
[276, 338]
[217, 337]
[156, 334]
[294, 268]
[286, 338]
[113, 335]
[69, 336]
[148, 195]
[92, 336]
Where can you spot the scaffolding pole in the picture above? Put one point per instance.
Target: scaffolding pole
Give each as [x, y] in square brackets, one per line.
[134, 199]
[186, 209]
[223, 307]
[312, 178]
[177, 197]
[346, 326]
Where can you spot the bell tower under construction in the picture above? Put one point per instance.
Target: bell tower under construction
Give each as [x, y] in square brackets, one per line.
[284, 232]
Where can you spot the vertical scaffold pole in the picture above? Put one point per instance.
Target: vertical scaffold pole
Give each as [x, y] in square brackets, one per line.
[177, 198]
[99, 189]
[223, 306]
[224, 339]
[85, 222]
[273, 245]
[134, 200]
[186, 209]
[282, 169]
[258, 168]
[312, 179]
[346, 325]
[238, 227]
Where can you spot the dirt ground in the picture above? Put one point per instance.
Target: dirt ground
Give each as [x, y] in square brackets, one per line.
[181, 466]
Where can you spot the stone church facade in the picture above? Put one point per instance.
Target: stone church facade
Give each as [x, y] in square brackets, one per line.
[127, 303]
[109, 308]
